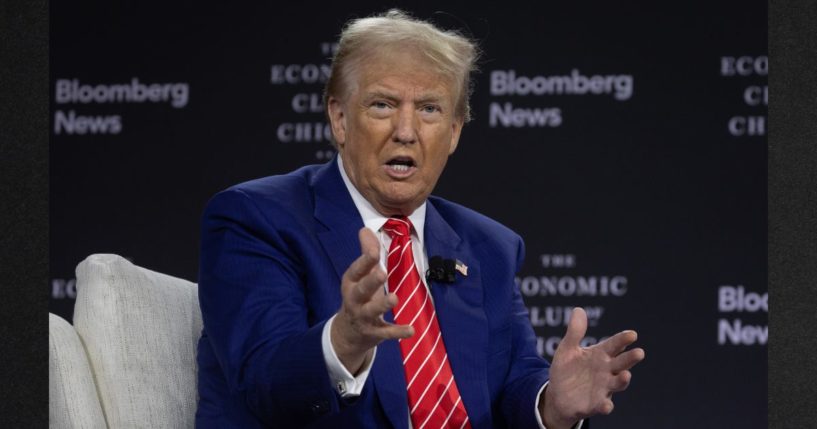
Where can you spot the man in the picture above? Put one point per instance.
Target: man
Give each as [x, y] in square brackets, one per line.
[316, 309]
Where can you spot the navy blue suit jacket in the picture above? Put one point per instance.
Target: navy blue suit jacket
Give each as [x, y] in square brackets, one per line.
[272, 256]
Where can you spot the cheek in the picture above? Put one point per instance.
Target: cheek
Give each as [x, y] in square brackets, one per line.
[442, 149]
[436, 164]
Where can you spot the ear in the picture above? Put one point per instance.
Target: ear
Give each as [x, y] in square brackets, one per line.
[456, 130]
[337, 119]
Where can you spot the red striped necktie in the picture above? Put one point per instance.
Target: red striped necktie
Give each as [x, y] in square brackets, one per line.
[434, 400]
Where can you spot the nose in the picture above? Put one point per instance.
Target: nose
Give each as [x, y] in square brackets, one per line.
[405, 128]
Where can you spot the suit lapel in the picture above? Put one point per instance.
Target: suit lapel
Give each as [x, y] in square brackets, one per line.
[461, 317]
[335, 209]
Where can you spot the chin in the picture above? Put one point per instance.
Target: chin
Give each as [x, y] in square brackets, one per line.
[402, 199]
[399, 206]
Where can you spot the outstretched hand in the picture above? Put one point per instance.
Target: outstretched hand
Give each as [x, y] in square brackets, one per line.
[359, 326]
[583, 379]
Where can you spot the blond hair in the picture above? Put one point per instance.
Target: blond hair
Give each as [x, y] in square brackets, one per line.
[453, 55]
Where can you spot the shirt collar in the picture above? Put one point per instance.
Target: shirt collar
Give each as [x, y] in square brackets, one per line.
[372, 219]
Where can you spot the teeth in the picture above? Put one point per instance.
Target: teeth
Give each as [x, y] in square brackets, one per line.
[400, 167]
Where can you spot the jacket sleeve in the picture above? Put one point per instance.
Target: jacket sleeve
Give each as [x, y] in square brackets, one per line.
[251, 291]
[529, 371]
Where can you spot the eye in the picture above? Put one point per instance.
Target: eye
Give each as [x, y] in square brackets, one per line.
[380, 105]
[431, 108]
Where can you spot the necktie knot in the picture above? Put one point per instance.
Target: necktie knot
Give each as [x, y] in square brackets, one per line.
[398, 227]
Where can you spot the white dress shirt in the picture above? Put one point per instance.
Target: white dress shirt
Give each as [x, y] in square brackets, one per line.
[346, 384]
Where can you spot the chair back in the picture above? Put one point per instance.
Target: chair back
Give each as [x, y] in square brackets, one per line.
[140, 329]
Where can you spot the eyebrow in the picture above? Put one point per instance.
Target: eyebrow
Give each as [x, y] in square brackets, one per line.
[425, 98]
[379, 94]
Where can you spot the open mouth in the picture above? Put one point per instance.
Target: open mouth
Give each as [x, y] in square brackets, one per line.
[401, 164]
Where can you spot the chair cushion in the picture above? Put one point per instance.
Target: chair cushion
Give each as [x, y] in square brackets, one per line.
[140, 329]
[72, 398]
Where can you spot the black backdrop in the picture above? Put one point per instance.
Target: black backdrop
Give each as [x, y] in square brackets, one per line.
[645, 202]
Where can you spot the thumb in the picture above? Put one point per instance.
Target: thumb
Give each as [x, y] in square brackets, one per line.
[576, 328]
[369, 245]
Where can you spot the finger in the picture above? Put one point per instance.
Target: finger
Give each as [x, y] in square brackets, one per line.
[620, 381]
[627, 360]
[606, 407]
[368, 285]
[390, 331]
[369, 256]
[618, 342]
[378, 305]
[576, 328]
[359, 268]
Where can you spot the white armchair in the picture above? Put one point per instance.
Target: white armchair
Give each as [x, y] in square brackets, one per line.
[72, 398]
[138, 330]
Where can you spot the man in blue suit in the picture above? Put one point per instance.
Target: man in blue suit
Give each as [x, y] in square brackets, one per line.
[298, 315]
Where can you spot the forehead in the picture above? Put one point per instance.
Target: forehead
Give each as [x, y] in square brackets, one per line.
[402, 71]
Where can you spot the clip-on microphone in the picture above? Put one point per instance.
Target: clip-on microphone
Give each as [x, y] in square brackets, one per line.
[441, 270]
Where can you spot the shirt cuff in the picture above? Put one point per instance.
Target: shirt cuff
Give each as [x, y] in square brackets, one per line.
[539, 417]
[344, 382]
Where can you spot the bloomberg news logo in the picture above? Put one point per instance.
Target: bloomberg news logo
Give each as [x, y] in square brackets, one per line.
[746, 304]
[509, 83]
[75, 92]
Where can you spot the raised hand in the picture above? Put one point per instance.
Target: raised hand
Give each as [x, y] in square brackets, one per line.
[583, 379]
[359, 326]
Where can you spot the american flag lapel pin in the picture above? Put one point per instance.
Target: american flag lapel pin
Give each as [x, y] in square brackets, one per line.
[461, 268]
